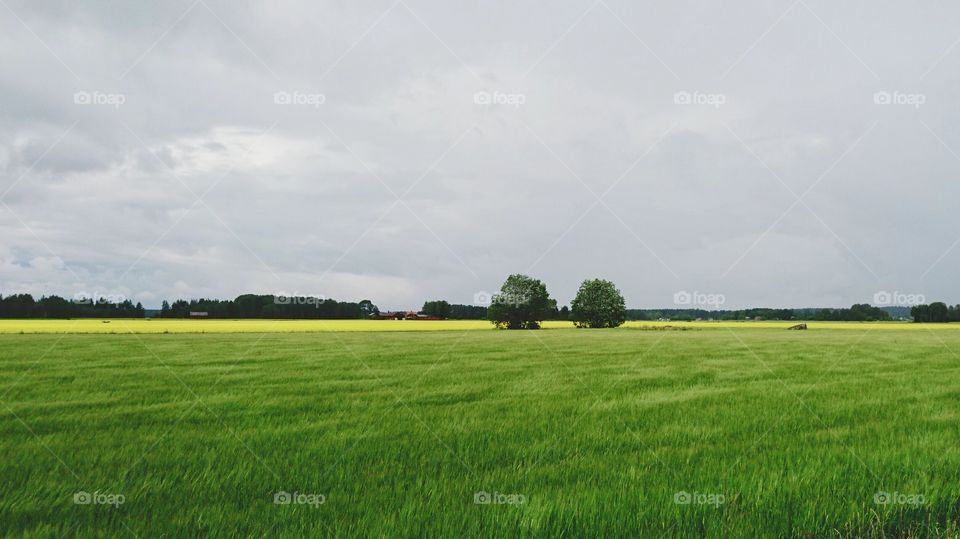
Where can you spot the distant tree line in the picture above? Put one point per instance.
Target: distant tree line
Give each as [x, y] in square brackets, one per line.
[935, 312]
[455, 311]
[443, 309]
[24, 306]
[513, 300]
[468, 312]
[860, 312]
[704, 314]
[270, 306]
[245, 306]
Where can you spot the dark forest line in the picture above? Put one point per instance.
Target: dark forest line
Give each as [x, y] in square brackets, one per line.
[270, 306]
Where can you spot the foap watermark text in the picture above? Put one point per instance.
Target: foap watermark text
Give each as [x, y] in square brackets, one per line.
[299, 98]
[897, 97]
[897, 298]
[97, 97]
[684, 97]
[483, 497]
[313, 499]
[699, 498]
[95, 298]
[699, 299]
[283, 298]
[99, 498]
[499, 98]
[898, 498]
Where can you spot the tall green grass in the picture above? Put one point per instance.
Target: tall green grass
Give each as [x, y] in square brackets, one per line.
[599, 433]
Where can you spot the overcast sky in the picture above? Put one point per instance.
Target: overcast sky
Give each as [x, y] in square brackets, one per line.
[795, 154]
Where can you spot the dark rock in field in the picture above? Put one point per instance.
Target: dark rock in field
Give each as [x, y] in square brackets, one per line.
[798, 326]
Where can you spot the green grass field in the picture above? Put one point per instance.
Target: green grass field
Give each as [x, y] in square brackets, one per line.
[573, 433]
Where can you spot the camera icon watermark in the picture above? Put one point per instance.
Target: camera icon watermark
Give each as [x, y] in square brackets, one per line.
[98, 498]
[483, 299]
[314, 500]
[299, 98]
[684, 97]
[97, 97]
[699, 498]
[896, 97]
[499, 98]
[483, 497]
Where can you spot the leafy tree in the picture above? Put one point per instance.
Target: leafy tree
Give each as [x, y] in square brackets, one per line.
[522, 303]
[598, 305]
[17, 306]
[553, 313]
[939, 312]
[440, 309]
[935, 312]
[54, 307]
[468, 312]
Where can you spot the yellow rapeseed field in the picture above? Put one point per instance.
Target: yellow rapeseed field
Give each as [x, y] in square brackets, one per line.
[305, 326]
